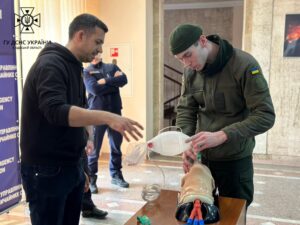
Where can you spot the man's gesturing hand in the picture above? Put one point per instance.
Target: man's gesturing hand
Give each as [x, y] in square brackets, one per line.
[126, 126]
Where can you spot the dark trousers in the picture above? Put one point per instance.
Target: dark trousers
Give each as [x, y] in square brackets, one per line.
[115, 141]
[87, 202]
[54, 193]
[233, 178]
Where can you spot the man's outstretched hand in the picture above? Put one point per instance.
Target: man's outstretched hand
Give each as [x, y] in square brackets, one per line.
[127, 127]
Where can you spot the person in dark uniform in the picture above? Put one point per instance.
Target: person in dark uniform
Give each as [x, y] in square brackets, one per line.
[102, 82]
[225, 102]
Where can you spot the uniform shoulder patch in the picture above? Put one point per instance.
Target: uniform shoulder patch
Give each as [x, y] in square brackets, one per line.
[254, 70]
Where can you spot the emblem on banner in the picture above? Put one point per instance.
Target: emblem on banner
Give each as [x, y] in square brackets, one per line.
[26, 20]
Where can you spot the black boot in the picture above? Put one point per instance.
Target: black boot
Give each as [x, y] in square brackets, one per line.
[94, 213]
[118, 179]
[89, 209]
[93, 185]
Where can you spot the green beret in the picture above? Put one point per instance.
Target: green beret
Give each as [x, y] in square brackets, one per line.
[183, 36]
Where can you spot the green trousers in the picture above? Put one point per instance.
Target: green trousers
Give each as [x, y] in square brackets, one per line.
[233, 178]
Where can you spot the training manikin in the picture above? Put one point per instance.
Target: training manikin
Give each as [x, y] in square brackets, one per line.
[197, 188]
[196, 185]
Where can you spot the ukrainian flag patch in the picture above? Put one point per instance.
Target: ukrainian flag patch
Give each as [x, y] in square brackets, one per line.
[254, 71]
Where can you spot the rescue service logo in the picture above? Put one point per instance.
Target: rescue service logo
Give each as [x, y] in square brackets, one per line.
[26, 20]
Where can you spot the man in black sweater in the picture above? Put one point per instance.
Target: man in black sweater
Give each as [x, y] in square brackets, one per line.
[53, 124]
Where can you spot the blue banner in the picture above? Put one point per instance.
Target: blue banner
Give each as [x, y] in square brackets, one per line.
[10, 179]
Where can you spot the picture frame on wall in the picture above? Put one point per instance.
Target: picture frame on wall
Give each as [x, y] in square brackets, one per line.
[292, 36]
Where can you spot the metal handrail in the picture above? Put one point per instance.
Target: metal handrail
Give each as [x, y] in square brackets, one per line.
[173, 69]
[170, 78]
[172, 99]
[170, 103]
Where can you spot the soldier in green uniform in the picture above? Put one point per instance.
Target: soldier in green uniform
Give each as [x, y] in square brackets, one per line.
[225, 102]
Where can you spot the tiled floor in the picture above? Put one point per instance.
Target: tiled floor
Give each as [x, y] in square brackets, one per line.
[276, 200]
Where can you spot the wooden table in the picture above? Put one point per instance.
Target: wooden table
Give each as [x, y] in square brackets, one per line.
[162, 210]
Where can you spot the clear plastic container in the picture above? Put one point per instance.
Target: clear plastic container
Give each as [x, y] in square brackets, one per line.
[151, 192]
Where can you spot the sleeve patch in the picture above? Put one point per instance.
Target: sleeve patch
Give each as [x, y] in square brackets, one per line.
[254, 71]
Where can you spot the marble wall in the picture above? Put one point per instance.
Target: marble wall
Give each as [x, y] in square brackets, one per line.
[158, 76]
[264, 38]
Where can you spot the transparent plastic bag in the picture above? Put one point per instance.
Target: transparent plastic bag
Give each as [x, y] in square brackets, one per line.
[136, 154]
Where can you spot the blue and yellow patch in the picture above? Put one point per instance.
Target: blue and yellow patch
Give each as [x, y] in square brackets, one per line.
[254, 71]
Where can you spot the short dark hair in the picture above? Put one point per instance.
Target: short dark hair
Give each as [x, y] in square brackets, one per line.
[85, 22]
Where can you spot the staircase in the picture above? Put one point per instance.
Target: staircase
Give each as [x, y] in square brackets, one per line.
[172, 89]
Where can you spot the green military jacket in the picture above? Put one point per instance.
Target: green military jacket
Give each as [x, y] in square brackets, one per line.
[235, 100]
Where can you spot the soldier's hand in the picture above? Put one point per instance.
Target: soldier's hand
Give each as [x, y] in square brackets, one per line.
[188, 157]
[204, 140]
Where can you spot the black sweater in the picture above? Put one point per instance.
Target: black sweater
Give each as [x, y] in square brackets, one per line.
[54, 83]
